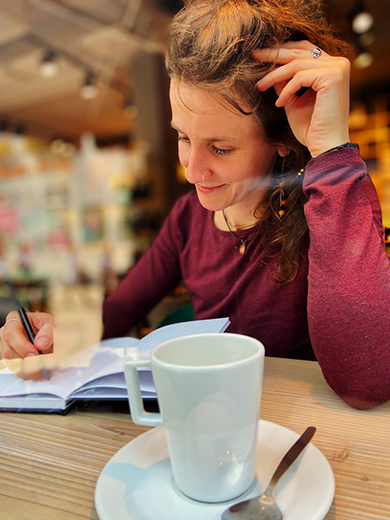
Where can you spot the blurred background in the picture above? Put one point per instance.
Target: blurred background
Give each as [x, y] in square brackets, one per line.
[88, 161]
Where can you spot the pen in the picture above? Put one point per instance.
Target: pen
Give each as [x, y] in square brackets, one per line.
[31, 335]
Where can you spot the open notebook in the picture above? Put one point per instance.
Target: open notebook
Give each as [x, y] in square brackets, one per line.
[96, 372]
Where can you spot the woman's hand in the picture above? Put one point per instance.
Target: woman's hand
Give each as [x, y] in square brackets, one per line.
[319, 117]
[14, 342]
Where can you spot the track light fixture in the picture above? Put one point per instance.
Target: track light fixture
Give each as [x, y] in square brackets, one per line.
[89, 90]
[361, 19]
[49, 65]
[4, 125]
[20, 129]
[129, 107]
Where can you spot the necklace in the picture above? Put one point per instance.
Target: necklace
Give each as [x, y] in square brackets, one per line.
[244, 241]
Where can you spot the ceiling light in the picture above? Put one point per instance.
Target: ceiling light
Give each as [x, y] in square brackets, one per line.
[129, 108]
[49, 65]
[363, 60]
[64, 148]
[362, 22]
[89, 90]
[69, 150]
[57, 146]
[366, 39]
[130, 111]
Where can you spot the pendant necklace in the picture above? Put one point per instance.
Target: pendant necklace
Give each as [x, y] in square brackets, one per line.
[244, 241]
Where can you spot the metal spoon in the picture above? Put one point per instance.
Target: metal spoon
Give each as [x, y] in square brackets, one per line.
[264, 506]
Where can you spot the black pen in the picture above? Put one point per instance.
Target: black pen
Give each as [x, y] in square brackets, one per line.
[31, 335]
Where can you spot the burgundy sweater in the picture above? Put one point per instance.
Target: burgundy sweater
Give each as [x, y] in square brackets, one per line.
[334, 311]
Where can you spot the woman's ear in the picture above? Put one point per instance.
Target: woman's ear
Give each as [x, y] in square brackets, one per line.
[283, 150]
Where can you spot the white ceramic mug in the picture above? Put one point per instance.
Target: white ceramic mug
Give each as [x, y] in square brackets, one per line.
[209, 392]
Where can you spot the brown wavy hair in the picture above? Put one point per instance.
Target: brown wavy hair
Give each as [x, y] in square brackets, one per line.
[210, 47]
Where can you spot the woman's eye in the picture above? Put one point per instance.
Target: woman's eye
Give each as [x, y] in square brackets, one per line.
[221, 151]
[215, 149]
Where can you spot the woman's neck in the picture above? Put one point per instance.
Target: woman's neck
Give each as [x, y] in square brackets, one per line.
[239, 223]
[242, 215]
[235, 220]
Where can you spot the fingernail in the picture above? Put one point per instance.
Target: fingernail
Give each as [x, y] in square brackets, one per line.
[30, 354]
[259, 84]
[42, 343]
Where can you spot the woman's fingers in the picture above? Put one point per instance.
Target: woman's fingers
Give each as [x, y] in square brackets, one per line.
[13, 339]
[14, 342]
[313, 88]
[292, 63]
[305, 78]
[288, 71]
[43, 324]
[287, 52]
[44, 338]
[332, 67]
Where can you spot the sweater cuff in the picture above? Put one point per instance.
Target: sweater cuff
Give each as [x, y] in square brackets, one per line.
[342, 146]
[334, 166]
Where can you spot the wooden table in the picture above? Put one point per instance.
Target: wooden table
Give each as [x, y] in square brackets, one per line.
[49, 464]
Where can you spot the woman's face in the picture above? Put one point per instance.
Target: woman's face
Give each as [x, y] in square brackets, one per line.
[223, 151]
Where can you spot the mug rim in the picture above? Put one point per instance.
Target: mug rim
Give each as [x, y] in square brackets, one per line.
[260, 353]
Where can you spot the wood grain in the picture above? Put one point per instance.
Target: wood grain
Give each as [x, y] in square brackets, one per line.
[49, 464]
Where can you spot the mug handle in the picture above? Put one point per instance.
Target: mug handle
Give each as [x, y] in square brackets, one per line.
[137, 410]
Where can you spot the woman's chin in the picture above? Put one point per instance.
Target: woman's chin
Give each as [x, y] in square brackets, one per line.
[211, 201]
[210, 205]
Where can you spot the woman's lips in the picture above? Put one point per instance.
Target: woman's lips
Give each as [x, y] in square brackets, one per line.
[208, 189]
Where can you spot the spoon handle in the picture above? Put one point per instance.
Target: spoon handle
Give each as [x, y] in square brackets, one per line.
[292, 454]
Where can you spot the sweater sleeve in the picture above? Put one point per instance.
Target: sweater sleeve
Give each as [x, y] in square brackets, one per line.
[349, 278]
[154, 275]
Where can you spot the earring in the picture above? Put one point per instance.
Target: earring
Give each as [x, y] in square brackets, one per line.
[282, 200]
[283, 164]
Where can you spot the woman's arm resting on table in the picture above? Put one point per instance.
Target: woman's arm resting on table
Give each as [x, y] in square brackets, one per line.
[349, 273]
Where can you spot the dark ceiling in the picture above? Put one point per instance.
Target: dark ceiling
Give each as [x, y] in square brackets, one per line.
[376, 77]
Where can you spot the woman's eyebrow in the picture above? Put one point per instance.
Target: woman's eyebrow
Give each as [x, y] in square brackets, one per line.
[208, 139]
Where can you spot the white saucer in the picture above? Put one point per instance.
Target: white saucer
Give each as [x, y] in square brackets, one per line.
[136, 484]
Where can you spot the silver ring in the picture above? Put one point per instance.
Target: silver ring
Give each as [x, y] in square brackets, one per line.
[316, 53]
[12, 319]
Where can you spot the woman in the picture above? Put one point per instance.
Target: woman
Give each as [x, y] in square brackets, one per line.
[287, 238]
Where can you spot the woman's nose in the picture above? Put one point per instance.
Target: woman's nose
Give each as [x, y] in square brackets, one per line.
[197, 168]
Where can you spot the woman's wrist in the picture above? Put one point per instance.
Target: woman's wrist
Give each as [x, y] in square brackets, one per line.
[348, 144]
[319, 147]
